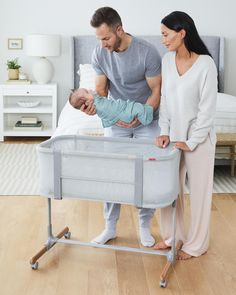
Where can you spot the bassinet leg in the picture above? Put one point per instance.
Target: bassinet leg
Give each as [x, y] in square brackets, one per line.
[164, 274]
[171, 256]
[51, 241]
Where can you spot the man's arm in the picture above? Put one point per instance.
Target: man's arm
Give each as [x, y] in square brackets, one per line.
[155, 85]
[101, 85]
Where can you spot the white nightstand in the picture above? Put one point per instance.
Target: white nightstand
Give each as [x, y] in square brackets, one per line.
[11, 112]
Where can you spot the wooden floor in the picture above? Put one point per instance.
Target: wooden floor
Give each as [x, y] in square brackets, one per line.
[81, 270]
[70, 270]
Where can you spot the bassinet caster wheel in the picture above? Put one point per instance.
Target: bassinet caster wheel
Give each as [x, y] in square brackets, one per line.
[67, 235]
[163, 283]
[35, 265]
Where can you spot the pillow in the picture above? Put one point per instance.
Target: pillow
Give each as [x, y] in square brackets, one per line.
[72, 121]
[225, 119]
[72, 117]
[87, 76]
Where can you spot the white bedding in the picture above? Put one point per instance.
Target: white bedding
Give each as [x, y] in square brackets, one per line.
[72, 121]
[225, 120]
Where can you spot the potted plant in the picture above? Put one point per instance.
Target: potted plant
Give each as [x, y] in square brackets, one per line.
[13, 69]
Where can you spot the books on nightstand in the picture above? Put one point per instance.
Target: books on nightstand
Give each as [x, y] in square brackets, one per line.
[28, 126]
[29, 120]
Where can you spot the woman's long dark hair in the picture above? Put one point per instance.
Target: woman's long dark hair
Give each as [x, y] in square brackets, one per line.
[179, 20]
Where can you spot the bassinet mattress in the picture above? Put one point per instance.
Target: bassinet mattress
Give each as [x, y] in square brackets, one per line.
[118, 170]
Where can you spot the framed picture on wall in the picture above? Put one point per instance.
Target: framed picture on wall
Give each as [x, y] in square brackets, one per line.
[16, 43]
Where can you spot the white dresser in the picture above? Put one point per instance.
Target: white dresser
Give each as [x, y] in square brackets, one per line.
[33, 100]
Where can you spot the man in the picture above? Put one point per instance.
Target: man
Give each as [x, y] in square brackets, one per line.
[126, 67]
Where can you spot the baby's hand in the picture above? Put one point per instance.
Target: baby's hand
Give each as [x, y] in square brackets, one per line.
[89, 108]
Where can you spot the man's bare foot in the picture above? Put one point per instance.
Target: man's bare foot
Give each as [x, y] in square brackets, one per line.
[183, 255]
[161, 246]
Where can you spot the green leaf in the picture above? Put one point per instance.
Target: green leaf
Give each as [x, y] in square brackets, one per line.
[13, 64]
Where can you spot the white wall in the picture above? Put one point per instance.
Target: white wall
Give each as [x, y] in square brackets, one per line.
[71, 17]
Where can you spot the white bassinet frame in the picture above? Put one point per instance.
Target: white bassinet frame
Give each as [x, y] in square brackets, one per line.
[58, 194]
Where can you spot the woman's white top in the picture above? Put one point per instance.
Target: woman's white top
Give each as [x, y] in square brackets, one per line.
[188, 102]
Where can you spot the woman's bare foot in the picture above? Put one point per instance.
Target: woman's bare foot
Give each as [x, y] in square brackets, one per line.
[161, 246]
[183, 255]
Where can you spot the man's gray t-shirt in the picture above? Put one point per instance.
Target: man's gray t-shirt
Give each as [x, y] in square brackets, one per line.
[127, 70]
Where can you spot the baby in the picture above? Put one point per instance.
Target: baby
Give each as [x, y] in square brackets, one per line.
[111, 111]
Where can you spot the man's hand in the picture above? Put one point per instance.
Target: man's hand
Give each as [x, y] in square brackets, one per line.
[88, 108]
[134, 123]
[162, 141]
[182, 146]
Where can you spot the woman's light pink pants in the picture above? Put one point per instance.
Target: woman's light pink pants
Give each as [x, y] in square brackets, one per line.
[199, 167]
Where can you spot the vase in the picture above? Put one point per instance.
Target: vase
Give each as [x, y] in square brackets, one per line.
[13, 74]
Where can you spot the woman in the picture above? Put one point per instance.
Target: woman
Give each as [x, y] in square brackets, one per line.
[188, 102]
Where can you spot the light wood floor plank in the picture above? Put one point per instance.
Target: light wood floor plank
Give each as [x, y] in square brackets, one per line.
[226, 206]
[130, 270]
[219, 262]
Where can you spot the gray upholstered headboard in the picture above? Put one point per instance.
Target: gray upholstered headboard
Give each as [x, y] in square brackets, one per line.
[82, 48]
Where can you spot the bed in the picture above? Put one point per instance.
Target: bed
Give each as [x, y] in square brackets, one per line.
[75, 166]
[74, 122]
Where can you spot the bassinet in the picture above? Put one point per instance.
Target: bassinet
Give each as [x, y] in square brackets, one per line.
[118, 170]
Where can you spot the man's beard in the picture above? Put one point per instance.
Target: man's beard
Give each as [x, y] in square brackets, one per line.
[117, 44]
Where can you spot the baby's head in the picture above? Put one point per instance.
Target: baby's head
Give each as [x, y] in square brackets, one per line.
[79, 97]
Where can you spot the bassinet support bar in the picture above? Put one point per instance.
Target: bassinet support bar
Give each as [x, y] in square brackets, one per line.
[53, 240]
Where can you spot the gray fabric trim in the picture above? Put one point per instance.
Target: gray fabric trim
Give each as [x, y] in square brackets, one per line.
[72, 65]
[138, 188]
[57, 174]
[221, 69]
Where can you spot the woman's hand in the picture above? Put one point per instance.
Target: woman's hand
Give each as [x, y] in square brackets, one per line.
[135, 122]
[89, 108]
[181, 145]
[162, 141]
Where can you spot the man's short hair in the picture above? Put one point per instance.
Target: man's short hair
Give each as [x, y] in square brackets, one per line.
[106, 15]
